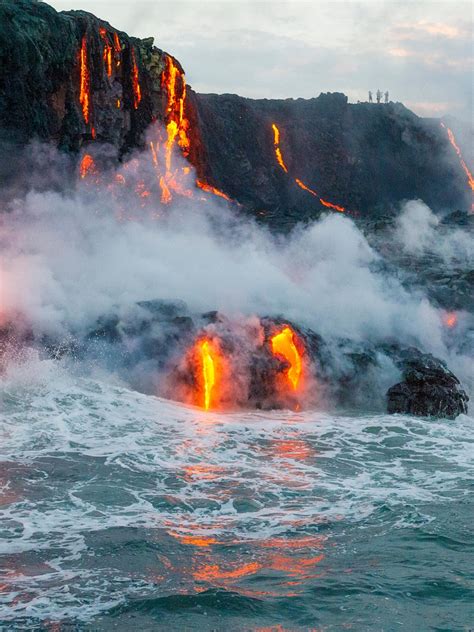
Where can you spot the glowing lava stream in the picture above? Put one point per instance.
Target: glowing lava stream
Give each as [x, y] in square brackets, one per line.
[452, 140]
[117, 49]
[276, 142]
[208, 373]
[137, 92]
[177, 133]
[87, 166]
[283, 344]
[450, 319]
[108, 51]
[302, 185]
[210, 189]
[84, 94]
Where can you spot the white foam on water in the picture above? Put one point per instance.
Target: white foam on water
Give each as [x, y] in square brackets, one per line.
[245, 476]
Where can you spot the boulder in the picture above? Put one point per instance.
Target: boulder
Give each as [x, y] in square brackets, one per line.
[428, 389]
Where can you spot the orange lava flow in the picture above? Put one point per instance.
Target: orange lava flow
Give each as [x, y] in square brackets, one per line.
[303, 186]
[177, 127]
[452, 140]
[87, 166]
[276, 142]
[166, 196]
[450, 319]
[208, 372]
[283, 344]
[85, 87]
[210, 189]
[108, 51]
[335, 207]
[137, 92]
[117, 49]
[172, 178]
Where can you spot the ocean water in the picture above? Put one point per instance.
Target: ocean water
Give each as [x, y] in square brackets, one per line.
[120, 511]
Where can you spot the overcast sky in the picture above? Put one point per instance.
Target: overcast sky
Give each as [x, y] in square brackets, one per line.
[421, 51]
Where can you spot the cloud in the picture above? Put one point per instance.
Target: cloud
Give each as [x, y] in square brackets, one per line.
[419, 51]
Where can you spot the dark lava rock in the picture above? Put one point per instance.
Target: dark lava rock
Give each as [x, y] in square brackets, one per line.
[365, 157]
[428, 389]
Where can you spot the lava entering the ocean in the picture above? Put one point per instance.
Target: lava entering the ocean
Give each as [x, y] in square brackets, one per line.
[207, 363]
[208, 372]
[84, 94]
[284, 344]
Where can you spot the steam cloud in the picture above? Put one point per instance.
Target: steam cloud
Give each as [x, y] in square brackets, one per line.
[70, 257]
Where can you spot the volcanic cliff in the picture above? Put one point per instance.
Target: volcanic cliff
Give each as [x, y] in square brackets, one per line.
[72, 80]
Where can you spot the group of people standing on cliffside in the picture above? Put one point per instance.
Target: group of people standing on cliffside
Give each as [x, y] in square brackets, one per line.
[378, 96]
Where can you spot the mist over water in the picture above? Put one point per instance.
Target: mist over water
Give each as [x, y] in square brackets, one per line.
[71, 257]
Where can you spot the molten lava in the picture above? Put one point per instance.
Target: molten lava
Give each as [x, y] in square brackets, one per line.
[87, 166]
[117, 49]
[452, 140]
[210, 189]
[137, 92]
[283, 344]
[176, 129]
[172, 178]
[302, 185]
[450, 319]
[335, 207]
[276, 142]
[208, 372]
[178, 125]
[85, 86]
[108, 51]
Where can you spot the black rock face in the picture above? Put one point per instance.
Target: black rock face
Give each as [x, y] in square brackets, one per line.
[429, 389]
[365, 158]
[40, 78]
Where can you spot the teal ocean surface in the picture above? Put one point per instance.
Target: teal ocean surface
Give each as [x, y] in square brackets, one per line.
[123, 511]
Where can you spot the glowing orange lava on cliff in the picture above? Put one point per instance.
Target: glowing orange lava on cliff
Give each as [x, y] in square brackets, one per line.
[108, 51]
[117, 49]
[210, 189]
[87, 166]
[283, 344]
[452, 140]
[303, 186]
[84, 93]
[300, 183]
[208, 372]
[276, 143]
[137, 92]
[173, 84]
